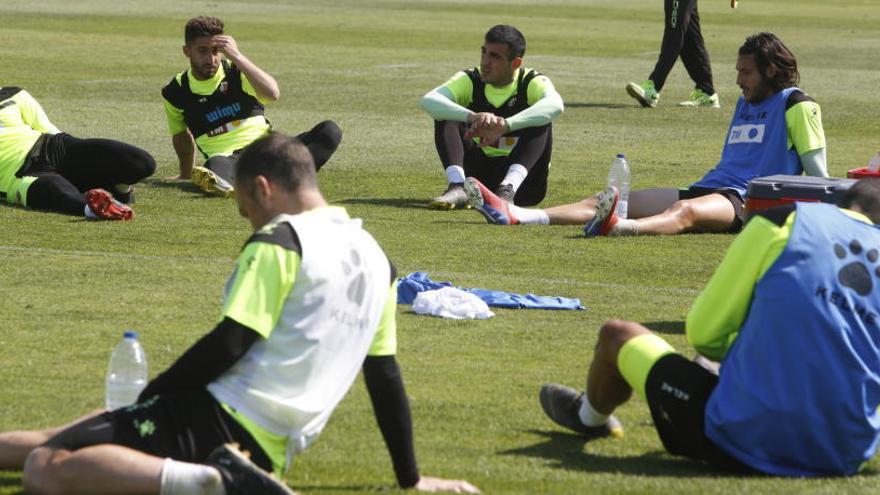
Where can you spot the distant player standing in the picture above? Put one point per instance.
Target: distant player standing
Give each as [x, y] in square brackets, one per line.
[683, 38]
[44, 168]
[218, 105]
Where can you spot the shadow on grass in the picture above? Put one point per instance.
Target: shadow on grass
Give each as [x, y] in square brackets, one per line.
[40, 213]
[600, 105]
[341, 488]
[415, 203]
[183, 185]
[567, 450]
[671, 327]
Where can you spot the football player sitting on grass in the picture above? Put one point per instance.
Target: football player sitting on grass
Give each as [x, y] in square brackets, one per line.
[776, 129]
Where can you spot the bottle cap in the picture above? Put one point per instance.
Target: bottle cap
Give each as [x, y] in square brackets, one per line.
[130, 334]
[621, 155]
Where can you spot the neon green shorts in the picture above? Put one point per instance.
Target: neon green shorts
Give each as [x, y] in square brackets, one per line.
[638, 356]
[17, 192]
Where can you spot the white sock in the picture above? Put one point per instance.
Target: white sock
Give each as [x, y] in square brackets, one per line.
[529, 215]
[625, 227]
[184, 478]
[89, 213]
[455, 174]
[516, 174]
[590, 416]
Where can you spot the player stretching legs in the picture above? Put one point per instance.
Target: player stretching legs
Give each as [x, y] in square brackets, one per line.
[776, 129]
[44, 168]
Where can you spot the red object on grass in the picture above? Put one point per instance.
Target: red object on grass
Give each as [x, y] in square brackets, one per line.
[862, 173]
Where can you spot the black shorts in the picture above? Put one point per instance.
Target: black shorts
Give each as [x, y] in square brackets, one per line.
[677, 391]
[45, 155]
[739, 209]
[184, 426]
[491, 170]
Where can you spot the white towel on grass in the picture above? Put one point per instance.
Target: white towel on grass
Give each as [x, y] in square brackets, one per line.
[450, 302]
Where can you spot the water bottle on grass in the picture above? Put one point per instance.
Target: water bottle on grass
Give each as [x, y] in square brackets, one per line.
[127, 372]
[619, 177]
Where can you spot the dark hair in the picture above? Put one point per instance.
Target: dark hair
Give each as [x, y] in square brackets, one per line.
[865, 196]
[279, 158]
[510, 36]
[202, 26]
[769, 50]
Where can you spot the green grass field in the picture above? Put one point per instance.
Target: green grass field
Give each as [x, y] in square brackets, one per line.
[70, 286]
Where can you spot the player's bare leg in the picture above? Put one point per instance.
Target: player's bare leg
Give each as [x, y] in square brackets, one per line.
[649, 202]
[711, 213]
[573, 213]
[96, 470]
[16, 445]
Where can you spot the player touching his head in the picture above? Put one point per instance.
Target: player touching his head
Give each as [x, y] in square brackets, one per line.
[776, 129]
[218, 106]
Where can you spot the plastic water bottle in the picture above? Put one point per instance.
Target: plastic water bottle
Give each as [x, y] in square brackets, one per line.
[127, 372]
[619, 177]
[874, 164]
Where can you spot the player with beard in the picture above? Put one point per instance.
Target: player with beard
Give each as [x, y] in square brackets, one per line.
[776, 129]
[218, 104]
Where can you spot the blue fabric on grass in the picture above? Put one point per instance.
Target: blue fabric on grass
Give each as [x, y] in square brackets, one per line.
[416, 282]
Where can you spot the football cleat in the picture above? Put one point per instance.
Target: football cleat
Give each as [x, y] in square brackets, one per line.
[505, 192]
[561, 404]
[208, 181]
[105, 207]
[451, 199]
[606, 216]
[495, 209]
[700, 99]
[243, 477]
[644, 93]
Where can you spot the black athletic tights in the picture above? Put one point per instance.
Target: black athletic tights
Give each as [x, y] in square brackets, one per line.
[321, 140]
[682, 36]
[66, 167]
[533, 151]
